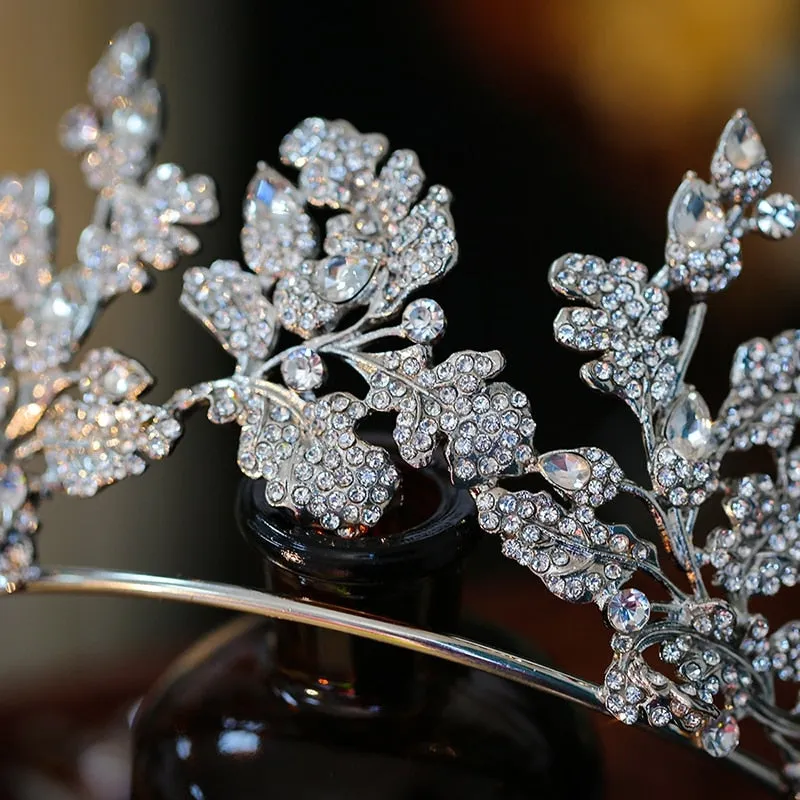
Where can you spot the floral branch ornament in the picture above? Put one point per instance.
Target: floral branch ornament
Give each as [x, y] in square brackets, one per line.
[78, 426]
[389, 240]
[719, 660]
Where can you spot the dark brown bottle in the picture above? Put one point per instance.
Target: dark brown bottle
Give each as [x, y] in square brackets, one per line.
[266, 709]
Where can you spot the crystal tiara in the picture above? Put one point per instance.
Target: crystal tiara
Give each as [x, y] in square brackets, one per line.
[344, 293]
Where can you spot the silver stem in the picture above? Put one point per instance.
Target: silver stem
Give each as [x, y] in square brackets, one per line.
[451, 648]
[691, 336]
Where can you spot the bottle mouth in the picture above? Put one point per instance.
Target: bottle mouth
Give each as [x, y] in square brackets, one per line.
[432, 524]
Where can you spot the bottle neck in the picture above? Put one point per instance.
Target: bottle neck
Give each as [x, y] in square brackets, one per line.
[409, 571]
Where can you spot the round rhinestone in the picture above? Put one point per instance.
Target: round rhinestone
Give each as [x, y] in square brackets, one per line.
[303, 369]
[629, 610]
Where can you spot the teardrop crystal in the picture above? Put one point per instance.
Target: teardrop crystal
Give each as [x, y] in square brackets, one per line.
[341, 278]
[688, 429]
[695, 217]
[568, 471]
[270, 195]
[13, 487]
[742, 145]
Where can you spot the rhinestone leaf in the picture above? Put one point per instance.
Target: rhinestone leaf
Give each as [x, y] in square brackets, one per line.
[107, 374]
[695, 217]
[689, 428]
[740, 168]
[88, 446]
[312, 461]
[229, 303]
[487, 427]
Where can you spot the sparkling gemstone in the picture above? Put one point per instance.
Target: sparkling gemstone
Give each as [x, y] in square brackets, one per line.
[13, 486]
[119, 381]
[742, 144]
[695, 217]
[629, 610]
[721, 736]
[269, 195]
[423, 321]
[303, 369]
[341, 278]
[777, 215]
[79, 128]
[567, 470]
[688, 429]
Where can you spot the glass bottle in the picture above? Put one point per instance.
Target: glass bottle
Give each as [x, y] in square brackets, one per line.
[276, 709]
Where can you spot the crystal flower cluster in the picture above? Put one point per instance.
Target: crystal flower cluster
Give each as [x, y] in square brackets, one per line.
[78, 426]
[342, 293]
[719, 660]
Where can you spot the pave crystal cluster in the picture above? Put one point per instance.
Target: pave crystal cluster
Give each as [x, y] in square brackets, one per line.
[719, 660]
[78, 426]
[342, 292]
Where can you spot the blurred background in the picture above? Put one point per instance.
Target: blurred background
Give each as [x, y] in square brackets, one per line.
[558, 126]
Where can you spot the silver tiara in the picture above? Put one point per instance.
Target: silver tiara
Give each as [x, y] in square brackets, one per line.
[346, 292]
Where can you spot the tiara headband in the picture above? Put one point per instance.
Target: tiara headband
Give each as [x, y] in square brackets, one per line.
[720, 660]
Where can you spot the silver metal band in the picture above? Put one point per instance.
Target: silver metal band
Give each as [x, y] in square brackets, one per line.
[77, 580]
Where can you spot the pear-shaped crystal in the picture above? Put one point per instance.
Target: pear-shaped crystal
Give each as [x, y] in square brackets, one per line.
[695, 217]
[568, 471]
[270, 195]
[688, 429]
[742, 144]
[13, 487]
[341, 278]
[721, 736]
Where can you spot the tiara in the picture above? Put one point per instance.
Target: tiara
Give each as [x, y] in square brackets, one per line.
[342, 294]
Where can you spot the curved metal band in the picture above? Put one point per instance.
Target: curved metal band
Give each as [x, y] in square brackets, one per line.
[77, 580]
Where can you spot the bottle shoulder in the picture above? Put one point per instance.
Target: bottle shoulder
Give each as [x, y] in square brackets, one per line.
[233, 716]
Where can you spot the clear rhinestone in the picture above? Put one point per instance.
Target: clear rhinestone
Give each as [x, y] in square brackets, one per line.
[567, 470]
[695, 217]
[13, 486]
[341, 278]
[720, 737]
[423, 321]
[119, 381]
[742, 144]
[629, 610]
[659, 716]
[79, 128]
[688, 429]
[269, 195]
[303, 370]
[777, 215]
